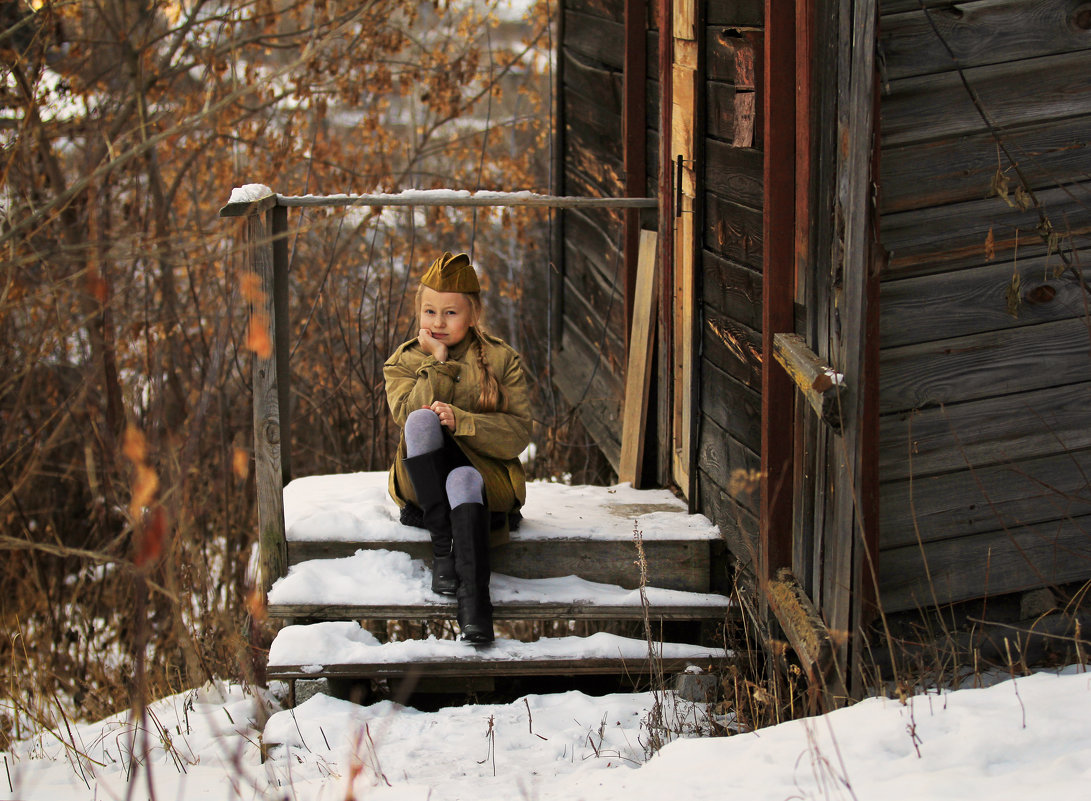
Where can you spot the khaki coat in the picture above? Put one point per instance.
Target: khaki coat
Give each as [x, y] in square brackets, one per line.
[491, 441]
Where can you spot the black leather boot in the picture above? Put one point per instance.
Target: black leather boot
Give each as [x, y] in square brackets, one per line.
[429, 479]
[470, 528]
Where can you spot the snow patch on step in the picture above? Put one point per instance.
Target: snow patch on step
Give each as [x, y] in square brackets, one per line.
[346, 643]
[355, 507]
[380, 577]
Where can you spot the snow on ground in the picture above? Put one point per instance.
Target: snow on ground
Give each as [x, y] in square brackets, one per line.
[1028, 738]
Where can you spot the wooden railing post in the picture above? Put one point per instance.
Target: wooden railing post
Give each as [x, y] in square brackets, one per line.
[258, 206]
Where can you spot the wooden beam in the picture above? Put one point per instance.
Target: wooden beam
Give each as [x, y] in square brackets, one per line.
[505, 667]
[820, 384]
[268, 473]
[278, 224]
[448, 198]
[501, 611]
[638, 372]
[806, 632]
[778, 293]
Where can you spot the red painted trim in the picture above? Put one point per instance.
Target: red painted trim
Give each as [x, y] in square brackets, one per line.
[778, 286]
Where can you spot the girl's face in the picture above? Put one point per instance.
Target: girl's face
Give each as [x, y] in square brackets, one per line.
[446, 315]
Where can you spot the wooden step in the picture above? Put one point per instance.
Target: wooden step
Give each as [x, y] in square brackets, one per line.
[380, 584]
[345, 650]
[584, 531]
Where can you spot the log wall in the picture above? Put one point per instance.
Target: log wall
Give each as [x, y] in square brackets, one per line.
[590, 360]
[985, 367]
[729, 274]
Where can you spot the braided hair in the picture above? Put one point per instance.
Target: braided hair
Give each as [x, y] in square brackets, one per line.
[492, 394]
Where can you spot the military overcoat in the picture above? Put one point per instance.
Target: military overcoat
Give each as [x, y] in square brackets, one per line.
[491, 441]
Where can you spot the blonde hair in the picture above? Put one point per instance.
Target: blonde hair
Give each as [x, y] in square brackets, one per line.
[492, 393]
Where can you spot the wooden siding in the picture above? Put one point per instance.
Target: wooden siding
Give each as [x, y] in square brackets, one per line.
[985, 367]
[589, 365]
[730, 286]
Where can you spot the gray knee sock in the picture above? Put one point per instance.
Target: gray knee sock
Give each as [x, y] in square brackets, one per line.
[465, 485]
[423, 433]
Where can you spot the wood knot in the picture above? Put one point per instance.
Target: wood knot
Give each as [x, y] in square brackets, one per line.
[1081, 17]
[272, 433]
[1041, 294]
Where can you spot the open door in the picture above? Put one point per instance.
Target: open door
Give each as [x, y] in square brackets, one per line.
[684, 146]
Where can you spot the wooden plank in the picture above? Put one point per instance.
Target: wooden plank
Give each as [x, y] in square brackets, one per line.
[601, 323]
[1007, 495]
[731, 404]
[979, 299]
[733, 55]
[635, 125]
[735, 12]
[990, 564]
[990, 431]
[282, 328]
[939, 172]
[980, 33]
[612, 10]
[778, 292]
[482, 667]
[593, 83]
[638, 372]
[595, 39]
[733, 231]
[733, 173]
[268, 471]
[943, 238]
[1013, 94]
[734, 348]
[501, 611]
[984, 365]
[849, 543]
[720, 454]
[732, 290]
[806, 632]
[738, 526]
[588, 388]
[674, 565]
[819, 383]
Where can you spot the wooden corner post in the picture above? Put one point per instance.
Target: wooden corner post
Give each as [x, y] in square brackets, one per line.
[267, 296]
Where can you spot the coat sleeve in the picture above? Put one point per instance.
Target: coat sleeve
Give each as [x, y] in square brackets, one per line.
[500, 435]
[410, 386]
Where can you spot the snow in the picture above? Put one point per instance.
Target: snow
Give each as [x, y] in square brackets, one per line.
[382, 577]
[1027, 738]
[345, 642]
[1024, 738]
[249, 193]
[355, 507]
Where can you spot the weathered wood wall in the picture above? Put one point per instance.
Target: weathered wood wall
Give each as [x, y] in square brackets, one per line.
[589, 366]
[730, 274]
[985, 445]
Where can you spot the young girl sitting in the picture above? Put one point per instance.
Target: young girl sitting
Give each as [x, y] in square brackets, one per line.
[460, 398]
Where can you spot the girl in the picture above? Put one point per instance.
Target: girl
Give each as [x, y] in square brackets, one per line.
[460, 398]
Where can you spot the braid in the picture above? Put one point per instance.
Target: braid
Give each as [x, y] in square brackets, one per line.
[492, 394]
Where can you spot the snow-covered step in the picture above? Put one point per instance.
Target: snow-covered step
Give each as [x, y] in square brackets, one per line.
[382, 584]
[567, 530]
[343, 649]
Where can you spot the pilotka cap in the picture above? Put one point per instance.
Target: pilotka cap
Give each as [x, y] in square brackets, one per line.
[450, 273]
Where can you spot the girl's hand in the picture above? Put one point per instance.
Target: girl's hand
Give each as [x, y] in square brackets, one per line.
[430, 345]
[445, 413]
